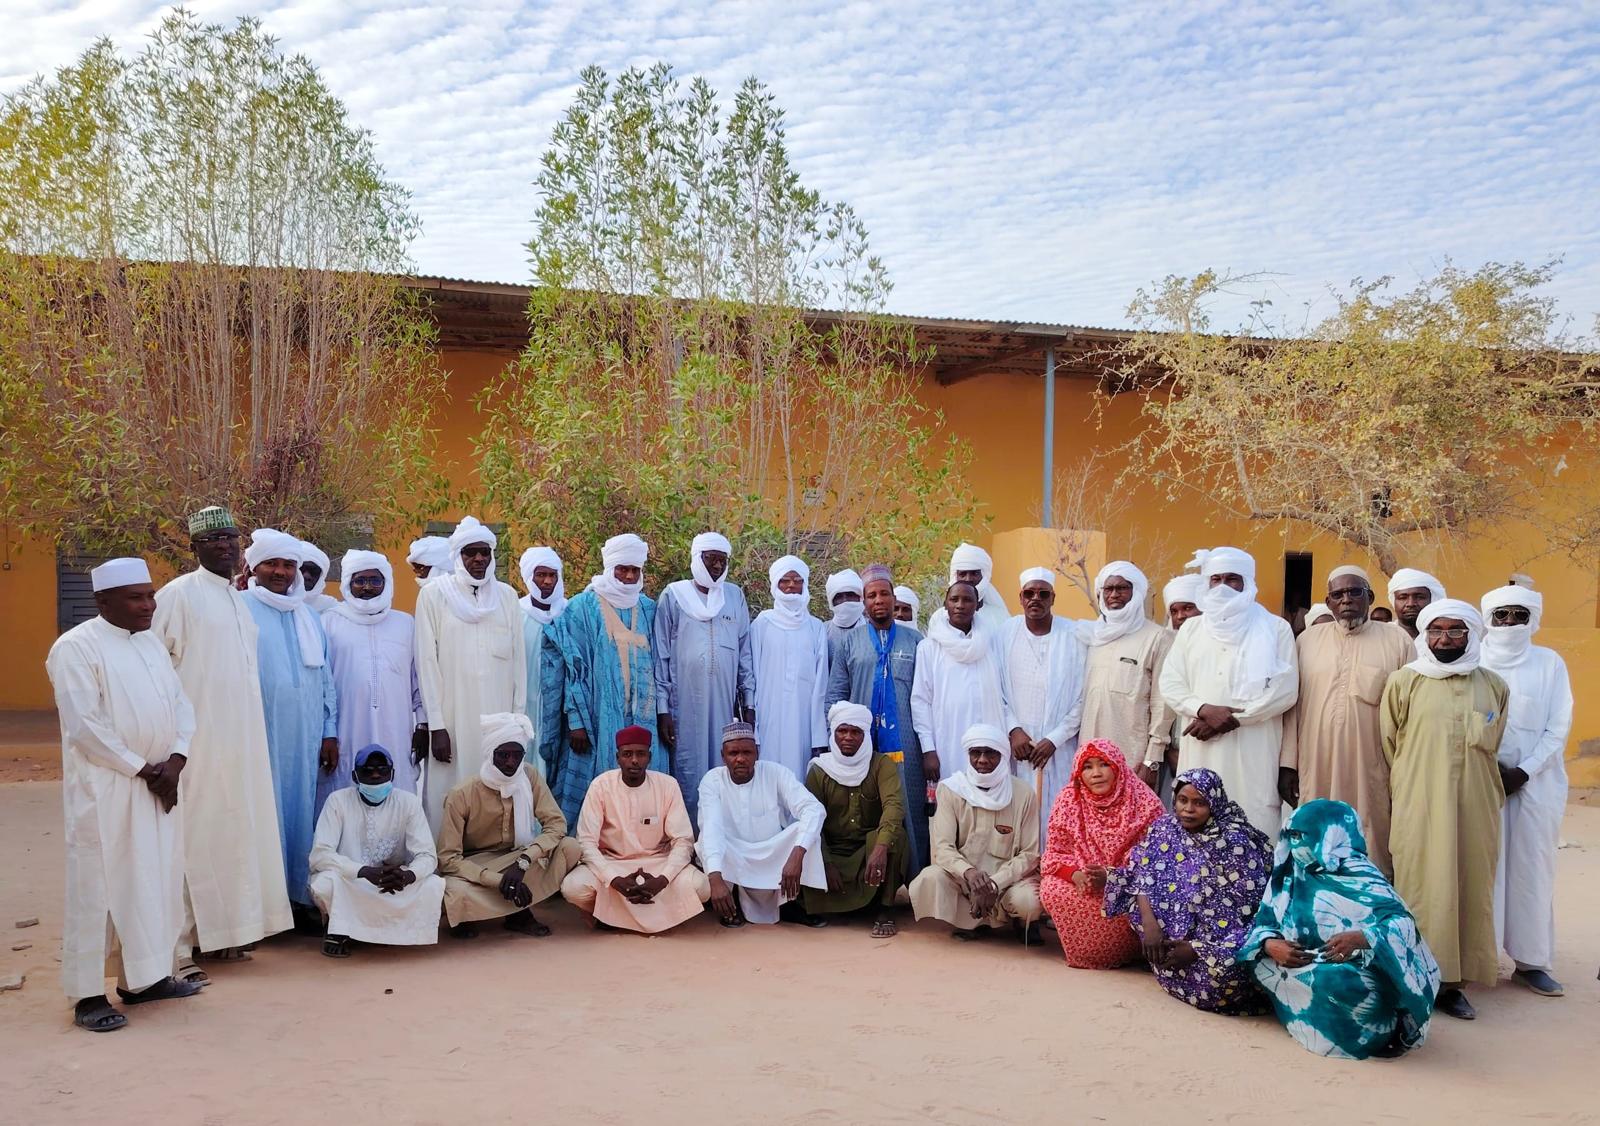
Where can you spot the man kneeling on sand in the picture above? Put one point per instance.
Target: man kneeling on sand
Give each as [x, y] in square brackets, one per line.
[493, 863]
[637, 843]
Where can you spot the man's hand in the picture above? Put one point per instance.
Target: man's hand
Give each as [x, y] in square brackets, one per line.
[162, 779]
[722, 901]
[877, 864]
[419, 744]
[441, 744]
[1043, 751]
[1289, 785]
[1343, 946]
[512, 888]
[652, 887]
[666, 729]
[834, 883]
[1289, 954]
[1021, 745]
[395, 879]
[579, 738]
[789, 879]
[981, 890]
[328, 756]
[373, 874]
[1513, 779]
[1146, 774]
[628, 886]
[1179, 955]
[1211, 721]
[930, 767]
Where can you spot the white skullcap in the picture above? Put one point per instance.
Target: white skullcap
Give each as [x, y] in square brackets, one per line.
[626, 550]
[430, 551]
[504, 727]
[841, 581]
[1227, 561]
[269, 543]
[1037, 575]
[985, 735]
[1502, 596]
[1349, 569]
[126, 571]
[1184, 588]
[1409, 578]
[471, 530]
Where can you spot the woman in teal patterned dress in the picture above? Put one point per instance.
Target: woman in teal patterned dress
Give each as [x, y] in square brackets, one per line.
[1334, 946]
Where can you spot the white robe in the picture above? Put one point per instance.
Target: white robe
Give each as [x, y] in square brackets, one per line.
[1538, 721]
[233, 861]
[121, 707]
[791, 689]
[1199, 670]
[351, 835]
[1055, 716]
[748, 831]
[947, 697]
[375, 679]
[465, 670]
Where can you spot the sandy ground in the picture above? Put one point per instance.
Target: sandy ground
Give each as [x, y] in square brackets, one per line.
[776, 1025]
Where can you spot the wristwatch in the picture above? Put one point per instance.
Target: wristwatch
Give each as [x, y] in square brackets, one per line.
[1153, 764]
[524, 863]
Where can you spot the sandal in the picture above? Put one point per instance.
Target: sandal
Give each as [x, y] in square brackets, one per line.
[527, 925]
[168, 988]
[732, 921]
[884, 928]
[100, 1017]
[336, 946]
[193, 975]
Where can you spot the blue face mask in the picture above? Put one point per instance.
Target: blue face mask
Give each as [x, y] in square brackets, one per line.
[375, 794]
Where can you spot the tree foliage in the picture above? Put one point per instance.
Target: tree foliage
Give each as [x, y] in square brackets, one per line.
[678, 377]
[1402, 419]
[201, 299]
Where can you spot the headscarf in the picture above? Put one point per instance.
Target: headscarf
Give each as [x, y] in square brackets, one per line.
[789, 611]
[686, 592]
[1317, 610]
[1184, 588]
[269, 543]
[543, 557]
[971, 557]
[1429, 665]
[1112, 625]
[432, 552]
[846, 615]
[1236, 619]
[909, 597]
[366, 611]
[1506, 647]
[990, 791]
[626, 550]
[1409, 578]
[847, 771]
[471, 600]
[1085, 829]
[509, 727]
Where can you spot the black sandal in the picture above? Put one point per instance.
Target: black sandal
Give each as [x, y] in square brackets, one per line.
[336, 946]
[99, 1018]
[168, 988]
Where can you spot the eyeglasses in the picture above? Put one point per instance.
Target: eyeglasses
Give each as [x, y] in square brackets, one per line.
[1512, 616]
[1116, 588]
[1036, 595]
[1449, 634]
[218, 537]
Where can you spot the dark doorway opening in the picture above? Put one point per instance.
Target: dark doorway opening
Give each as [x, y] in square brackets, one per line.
[1296, 583]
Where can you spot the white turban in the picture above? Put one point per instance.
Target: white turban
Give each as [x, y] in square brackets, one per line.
[1409, 578]
[1317, 610]
[1234, 618]
[851, 771]
[432, 552]
[1112, 625]
[626, 550]
[971, 557]
[367, 611]
[127, 571]
[543, 557]
[789, 611]
[686, 593]
[990, 791]
[509, 727]
[1037, 575]
[1505, 647]
[314, 554]
[471, 530]
[269, 543]
[909, 597]
[1184, 588]
[847, 614]
[1227, 561]
[1429, 665]
[471, 600]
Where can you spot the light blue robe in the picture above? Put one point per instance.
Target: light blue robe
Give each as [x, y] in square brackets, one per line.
[595, 697]
[546, 678]
[791, 687]
[302, 710]
[701, 670]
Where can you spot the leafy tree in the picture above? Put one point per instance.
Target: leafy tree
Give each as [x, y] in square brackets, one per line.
[1402, 419]
[678, 376]
[201, 300]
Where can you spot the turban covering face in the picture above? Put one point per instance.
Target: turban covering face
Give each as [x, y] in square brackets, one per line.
[1234, 618]
[626, 550]
[1429, 665]
[1113, 625]
[846, 614]
[317, 558]
[127, 571]
[1505, 646]
[789, 610]
[367, 610]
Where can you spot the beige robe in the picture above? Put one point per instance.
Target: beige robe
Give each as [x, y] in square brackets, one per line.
[1441, 738]
[477, 843]
[1003, 843]
[1331, 735]
[1122, 696]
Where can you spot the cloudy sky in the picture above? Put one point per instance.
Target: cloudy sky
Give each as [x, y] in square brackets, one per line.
[1020, 161]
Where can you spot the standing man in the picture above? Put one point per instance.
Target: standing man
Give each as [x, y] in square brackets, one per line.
[545, 580]
[1410, 591]
[1443, 718]
[957, 682]
[1533, 773]
[234, 887]
[1231, 677]
[298, 698]
[1182, 599]
[428, 555]
[611, 681]
[845, 591]
[703, 665]
[790, 649]
[372, 652]
[1042, 667]
[876, 668]
[125, 731]
[907, 606]
[470, 661]
[314, 568]
[1122, 699]
[969, 563]
[1332, 746]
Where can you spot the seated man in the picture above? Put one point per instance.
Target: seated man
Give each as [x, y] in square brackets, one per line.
[372, 862]
[985, 841]
[493, 863]
[864, 847]
[637, 843]
[760, 833]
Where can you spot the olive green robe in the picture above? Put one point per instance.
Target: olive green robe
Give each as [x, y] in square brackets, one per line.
[858, 819]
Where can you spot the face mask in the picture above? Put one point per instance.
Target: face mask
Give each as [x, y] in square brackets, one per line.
[847, 614]
[375, 793]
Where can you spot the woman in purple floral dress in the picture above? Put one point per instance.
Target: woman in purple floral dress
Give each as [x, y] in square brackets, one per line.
[1191, 889]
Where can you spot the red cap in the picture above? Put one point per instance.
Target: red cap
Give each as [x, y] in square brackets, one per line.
[634, 736]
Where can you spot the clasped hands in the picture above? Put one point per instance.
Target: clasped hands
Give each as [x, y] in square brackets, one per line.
[1212, 720]
[639, 886]
[387, 878]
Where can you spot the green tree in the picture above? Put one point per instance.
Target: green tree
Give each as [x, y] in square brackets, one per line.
[1402, 419]
[679, 376]
[201, 300]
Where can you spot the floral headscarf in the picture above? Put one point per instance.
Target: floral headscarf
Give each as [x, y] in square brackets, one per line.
[1085, 829]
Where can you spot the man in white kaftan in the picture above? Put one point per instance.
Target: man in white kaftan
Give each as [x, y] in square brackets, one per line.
[957, 680]
[969, 563]
[125, 732]
[470, 661]
[235, 891]
[790, 650]
[760, 833]
[1534, 774]
[1042, 674]
[1231, 675]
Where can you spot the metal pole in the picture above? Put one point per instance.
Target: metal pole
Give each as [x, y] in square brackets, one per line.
[1049, 433]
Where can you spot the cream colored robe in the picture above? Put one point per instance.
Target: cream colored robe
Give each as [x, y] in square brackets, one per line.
[1122, 695]
[1331, 735]
[1004, 843]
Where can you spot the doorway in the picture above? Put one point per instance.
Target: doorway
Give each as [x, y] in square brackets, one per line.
[1296, 583]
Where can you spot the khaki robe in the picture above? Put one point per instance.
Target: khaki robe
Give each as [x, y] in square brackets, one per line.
[1441, 738]
[1331, 735]
[1003, 843]
[476, 844]
[1122, 696]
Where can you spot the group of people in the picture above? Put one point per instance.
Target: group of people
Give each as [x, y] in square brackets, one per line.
[245, 754]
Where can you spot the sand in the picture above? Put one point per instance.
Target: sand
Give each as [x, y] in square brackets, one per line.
[774, 1025]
